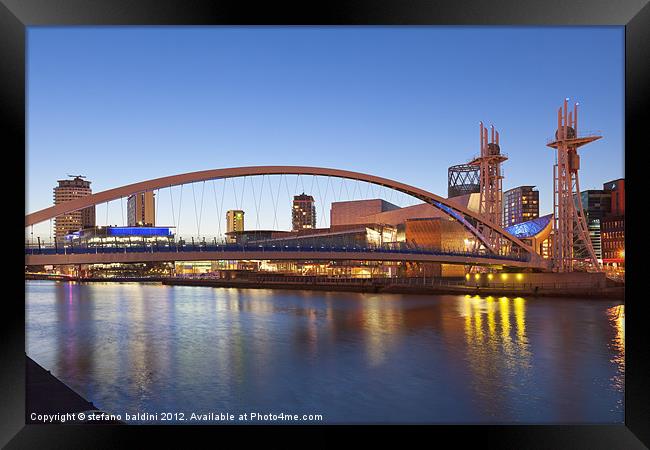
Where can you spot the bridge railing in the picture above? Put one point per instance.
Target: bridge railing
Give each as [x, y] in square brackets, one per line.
[208, 247]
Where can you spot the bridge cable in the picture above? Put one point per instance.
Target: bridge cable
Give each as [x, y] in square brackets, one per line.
[347, 193]
[329, 186]
[217, 208]
[261, 194]
[234, 190]
[196, 215]
[201, 209]
[356, 188]
[180, 205]
[173, 214]
[295, 190]
[243, 189]
[156, 199]
[257, 214]
[223, 194]
[272, 199]
[275, 202]
[334, 196]
[286, 184]
[277, 198]
[322, 200]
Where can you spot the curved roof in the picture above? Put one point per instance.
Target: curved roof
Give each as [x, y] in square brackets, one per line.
[530, 228]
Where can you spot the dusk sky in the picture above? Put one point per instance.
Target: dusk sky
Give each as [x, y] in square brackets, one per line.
[127, 104]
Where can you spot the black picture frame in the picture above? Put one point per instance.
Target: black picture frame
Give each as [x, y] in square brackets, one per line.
[16, 15]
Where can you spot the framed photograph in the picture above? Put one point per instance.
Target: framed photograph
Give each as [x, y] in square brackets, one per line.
[406, 217]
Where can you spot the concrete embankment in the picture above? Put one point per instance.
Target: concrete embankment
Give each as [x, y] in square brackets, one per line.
[93, 279]
[609, 292]
[47, 396]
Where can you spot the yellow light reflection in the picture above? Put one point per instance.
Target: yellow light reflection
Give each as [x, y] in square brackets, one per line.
[616, 315]
[381, 323]
[520, 318]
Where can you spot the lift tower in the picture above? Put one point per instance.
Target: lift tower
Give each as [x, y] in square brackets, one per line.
[571, 241]
[489, 163]
[490, 181]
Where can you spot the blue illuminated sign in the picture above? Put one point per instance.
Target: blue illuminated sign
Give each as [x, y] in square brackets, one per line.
[139, 231]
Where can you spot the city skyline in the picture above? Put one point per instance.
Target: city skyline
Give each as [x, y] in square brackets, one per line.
[128, 100]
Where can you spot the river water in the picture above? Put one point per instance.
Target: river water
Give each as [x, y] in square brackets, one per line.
[352, 358]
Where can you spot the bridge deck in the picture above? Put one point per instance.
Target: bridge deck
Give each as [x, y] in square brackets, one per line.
[213, 253]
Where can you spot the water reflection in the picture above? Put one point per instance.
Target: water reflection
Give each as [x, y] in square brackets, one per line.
[352, 357]
[616, 316]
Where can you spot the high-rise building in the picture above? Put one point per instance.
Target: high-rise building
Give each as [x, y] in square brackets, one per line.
[141, 209]
[73, 221]
[234, 222]
[617, 190]
[520, 204]
[303, 213]
[596, 205]
[612, 226]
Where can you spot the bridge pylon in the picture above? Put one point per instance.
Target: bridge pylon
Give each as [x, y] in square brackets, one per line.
[571, 242]
[489, 163]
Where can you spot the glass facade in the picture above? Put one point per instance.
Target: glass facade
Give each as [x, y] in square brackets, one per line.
[520, 204]
[596, 206]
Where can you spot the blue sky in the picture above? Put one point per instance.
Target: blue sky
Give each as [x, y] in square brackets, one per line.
[125, 104]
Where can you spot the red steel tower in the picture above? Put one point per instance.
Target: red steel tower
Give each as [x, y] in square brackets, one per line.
[489, 162]
[571, 241]
[490, 179]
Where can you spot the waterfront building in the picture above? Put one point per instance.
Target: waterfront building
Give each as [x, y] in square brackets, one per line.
[374, 211]
[65, 191]
[520, 204]
[141, 210]
[361, 236]
[613, 225]
[245, 236]
[303, 213]
[120, 236]
[346, 213]
[234, 222]
[536, 233]
[596, 204]
[438, 233]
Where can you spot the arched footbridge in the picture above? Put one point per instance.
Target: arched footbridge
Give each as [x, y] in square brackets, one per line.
[497, 246]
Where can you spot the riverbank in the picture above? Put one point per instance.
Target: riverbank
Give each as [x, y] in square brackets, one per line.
[612, 291]
[48, 397]
[615, 292]
[38, 276]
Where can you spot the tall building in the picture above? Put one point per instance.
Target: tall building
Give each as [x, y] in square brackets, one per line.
[596, 205]
[612, 226]
[234, 222]
[520, 204]
[74, 221]
[141, 209]
[303, 213]
[617, 190]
